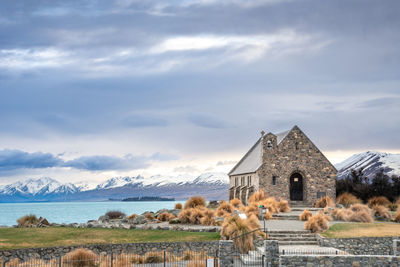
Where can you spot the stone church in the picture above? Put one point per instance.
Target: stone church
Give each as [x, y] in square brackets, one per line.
[285, 165]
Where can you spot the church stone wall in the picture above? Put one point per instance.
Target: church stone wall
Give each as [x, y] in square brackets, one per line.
[295, 154]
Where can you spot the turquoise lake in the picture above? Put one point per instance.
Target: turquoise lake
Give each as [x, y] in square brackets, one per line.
[79, 212]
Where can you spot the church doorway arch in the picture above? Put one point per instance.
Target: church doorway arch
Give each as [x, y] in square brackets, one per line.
[296, 187]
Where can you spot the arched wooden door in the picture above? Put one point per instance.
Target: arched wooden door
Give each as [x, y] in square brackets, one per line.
[296, 187]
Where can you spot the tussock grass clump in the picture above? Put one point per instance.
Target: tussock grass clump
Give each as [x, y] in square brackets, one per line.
[347, 199]
[178, 206]
[392, 207]
[359, 208]
[208, 218]
[115, 214]
[149, 216]
[267, 215]
[224, 209]
[317, 223]
[153, 257]
[194, 202]
[236, 203]
[397, 216]
[361, 216]
[165, 216]
[342, 214]
[192, 215]
[27, 220]
[234, 226]
[80, 257]
[283, 206]
[251, 209]
[324, 202]
[381, 211]
[271, 204]
[131, 217]
[305, 215]
[258, 196]
[185, 215]
[380, 200]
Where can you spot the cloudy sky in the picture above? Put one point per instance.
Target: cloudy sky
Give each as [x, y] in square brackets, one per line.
[94, 89]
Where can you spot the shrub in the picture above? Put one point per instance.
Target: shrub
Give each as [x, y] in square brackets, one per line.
[251, 209]
[224, 209]
[27, 220]
[342, 214]
[258, 196]
[115, 214]
[80, 257]
[397, 216]
[361, 216]
[347, 199]
[165, 216]
[305, 215]
[392, 206]
[324, 202]
[153, 257]
[196, 215]
[317, 223]
[360, 207]
[194, 202]
[267, 215]
[178, 206]
[381, 200]
[236, 202]
[381, 211]
[185, 215]
[208, 218]
[283, 206]
[149, 216]
[131, 217]
[271, 204]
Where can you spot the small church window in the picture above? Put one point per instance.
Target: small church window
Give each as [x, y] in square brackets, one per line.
[236, 181]
[269, 144]
[242, 181]
[297, 145]
[248, 180]
[273, 180]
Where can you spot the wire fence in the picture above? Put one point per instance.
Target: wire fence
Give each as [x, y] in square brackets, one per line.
[83, 258]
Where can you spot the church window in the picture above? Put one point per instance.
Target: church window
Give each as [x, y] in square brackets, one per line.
[242, 182]
[269, 144]
[248, 180]
[273, 180]
[297, 145]
[236, 181]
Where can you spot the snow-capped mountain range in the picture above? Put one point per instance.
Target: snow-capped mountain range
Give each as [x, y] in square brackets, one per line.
[48, 189]
[371, 162]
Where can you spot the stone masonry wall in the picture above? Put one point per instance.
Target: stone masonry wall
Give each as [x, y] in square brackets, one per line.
[135, 248]
[361, 245]
[354, 261]
[296, 154]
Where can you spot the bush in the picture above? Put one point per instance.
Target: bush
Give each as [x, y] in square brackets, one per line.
[165, 216]
[381, 200]
[194, 202]
[115, 214]
[208, 218]
[267, 215]
[397, 216]
[360, 207]
[153, 257]
[196, 215]
[317, 223]
[224, 209]
[236, 202]
[347, 199]
[381, 211]
[178, 206]
[80, 257]
[184, 216]
[361, 216]
[392, 206]
[258, 196]
[28, 220]
[131, 217]
[252, 209]
[271, 204]
[149, 216]
[324, 202]
[305, 215]
[283, 206]
[342, 214]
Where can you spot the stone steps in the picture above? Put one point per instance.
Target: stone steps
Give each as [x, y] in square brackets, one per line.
[293, 237]
[254, 257]
[297, 243]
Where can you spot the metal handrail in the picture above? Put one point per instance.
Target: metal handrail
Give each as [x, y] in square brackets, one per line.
[255, 230]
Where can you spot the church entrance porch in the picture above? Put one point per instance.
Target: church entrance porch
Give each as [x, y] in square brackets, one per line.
[296, 187]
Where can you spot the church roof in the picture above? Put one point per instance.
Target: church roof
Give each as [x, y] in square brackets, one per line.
[252, 160]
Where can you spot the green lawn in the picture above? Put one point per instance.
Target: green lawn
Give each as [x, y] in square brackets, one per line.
[342, 230]
[12, 238]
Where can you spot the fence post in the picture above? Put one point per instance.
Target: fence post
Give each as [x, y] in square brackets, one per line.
[263, 260]
[59, 261]
[164, 258]
[216, 258]
[112, 258]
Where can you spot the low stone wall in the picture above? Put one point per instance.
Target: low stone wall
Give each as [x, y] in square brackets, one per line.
[135, 248]
[353, 260]
[361, 245]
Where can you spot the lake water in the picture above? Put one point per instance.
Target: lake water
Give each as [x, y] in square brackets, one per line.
[79, 212]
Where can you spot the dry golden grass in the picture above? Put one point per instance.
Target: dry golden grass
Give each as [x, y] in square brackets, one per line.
[271, 204]
[305, 215]
[153, 257]
[324, 202]
[178, 206]
[348, 230]
[360, 207]
[194, 202]
[382, 211]
[196, 215]
[283, 206]
[208, 218]
[149, 216]
[131, 217]
[397, 216]
[347, 199]
[342, 214]
[224, 209]
[165, 216]
[236, 203]
[361, 216]
[257, 197]
[185, 215]
[80, 257]
[381, 200]
[317, 223]
[27, 220]
[267, 215]
[392, 207]
[251, 209]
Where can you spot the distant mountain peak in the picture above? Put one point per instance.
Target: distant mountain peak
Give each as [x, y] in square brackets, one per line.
[371, 162]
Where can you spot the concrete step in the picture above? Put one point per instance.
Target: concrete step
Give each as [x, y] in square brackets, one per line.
[260, 250]
[312, 239]
[293, 235]
[290, 232]
[285, 217]
[248, 260]
[297, 243]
